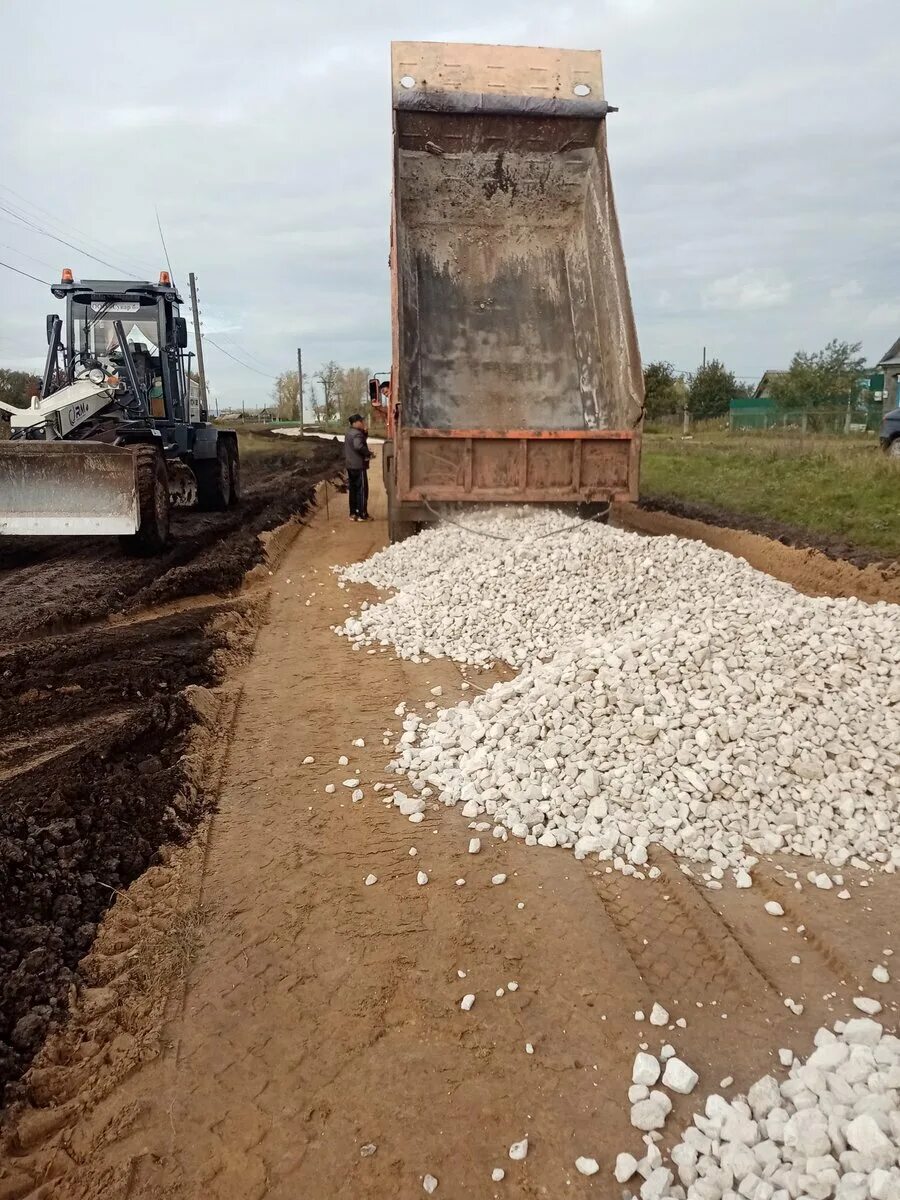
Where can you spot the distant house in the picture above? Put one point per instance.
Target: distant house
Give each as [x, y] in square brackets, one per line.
[764, 387]
[890, 367]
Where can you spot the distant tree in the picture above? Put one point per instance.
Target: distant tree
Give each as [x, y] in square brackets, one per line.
[823, 379]
[663, 390]
[710, 391]
[329, 379]
[353, 390]
[286, 394]
[17, 387]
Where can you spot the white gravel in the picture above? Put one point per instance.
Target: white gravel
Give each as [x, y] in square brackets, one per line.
[668, 693]
[831, 1128]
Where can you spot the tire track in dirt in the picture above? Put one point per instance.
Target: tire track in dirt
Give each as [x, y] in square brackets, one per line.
[682, 948]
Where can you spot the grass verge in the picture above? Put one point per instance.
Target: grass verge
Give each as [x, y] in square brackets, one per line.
[833, 486]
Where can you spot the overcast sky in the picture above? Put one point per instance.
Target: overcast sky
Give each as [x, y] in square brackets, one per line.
[756, 160]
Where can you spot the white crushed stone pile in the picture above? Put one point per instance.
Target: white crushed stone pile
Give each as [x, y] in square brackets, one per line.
[668, 693]
[831, 1128]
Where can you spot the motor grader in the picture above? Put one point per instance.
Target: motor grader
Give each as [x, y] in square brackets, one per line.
[119, 433]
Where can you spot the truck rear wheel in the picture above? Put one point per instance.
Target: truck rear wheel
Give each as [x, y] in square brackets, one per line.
[234, 467]
[214, 479]
[152, 484]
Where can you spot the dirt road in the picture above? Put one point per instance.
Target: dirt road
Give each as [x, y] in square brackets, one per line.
[309, 1017]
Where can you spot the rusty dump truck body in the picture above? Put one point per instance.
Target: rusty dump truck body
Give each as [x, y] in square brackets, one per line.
[516, 371]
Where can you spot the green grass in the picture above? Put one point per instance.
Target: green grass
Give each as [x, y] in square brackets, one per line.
[832, 485]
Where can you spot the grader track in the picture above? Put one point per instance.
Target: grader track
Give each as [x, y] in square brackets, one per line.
[250, 1019]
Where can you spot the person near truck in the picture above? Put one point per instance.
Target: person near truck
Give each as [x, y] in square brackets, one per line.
[357, 457]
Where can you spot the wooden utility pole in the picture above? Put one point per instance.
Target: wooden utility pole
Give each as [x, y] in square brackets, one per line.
[300, 385]
[198, 342]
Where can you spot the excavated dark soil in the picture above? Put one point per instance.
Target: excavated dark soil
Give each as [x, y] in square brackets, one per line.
[832, 546]
[94, 723]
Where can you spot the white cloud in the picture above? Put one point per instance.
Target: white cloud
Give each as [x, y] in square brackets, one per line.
[748, 290]
[842, 293]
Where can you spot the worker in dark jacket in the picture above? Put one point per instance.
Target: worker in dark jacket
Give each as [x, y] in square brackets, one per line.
[357, 456]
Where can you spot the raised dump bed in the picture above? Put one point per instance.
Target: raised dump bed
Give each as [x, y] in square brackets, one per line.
[516, 372]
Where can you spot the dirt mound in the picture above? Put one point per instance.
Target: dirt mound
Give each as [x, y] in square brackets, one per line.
[831, 545]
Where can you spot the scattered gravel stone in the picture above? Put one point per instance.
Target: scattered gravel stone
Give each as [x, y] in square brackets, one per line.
[512, 986]
[359, 742]
[867, 1005]
[498, 879]
[774, 909]
[343, 761]
[678, 1077]
[330, 788]
[357, 795]
[460, 883]
[529, 1049]
[421, 878]
[474, 845]
[429, 1184]
[659, 1015]
[467, 1002]
[626, 1166]
[370, 879]
[309, 759]
[881, 975]
[498, 1174]
[587, 1166]
[645, 1069]
[368, 1150]
[519, 1150]
[651, 1113]
[351, 783]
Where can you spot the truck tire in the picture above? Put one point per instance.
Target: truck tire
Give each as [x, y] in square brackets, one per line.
[234, 469]
[152, 482]
[214, 479]
[892, 450]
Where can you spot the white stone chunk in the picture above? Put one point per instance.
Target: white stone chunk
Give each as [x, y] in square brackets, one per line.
[679, 1077]
[587, 1166]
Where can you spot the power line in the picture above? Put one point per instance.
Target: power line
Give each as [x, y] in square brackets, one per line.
[10, 267]
[15, 249]
[62, 225]
[243, 349]
[227, 354]
[62, 241]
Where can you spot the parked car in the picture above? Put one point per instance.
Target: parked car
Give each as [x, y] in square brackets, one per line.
[890, 433]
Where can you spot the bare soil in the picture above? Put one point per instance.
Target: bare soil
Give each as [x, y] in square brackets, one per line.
[255, 1016]
[95, 724]
[831, 545]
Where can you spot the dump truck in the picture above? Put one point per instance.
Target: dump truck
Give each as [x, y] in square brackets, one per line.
[119, 433]
[516, 374]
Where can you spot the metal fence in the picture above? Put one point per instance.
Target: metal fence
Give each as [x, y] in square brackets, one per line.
[842, 420]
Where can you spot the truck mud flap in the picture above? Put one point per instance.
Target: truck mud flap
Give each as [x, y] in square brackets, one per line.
[66, 488]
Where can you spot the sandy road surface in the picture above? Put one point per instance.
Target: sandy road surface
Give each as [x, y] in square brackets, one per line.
[320, 1015]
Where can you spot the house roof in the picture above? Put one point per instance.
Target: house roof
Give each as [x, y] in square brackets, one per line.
[767, 375]
[892, 356]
